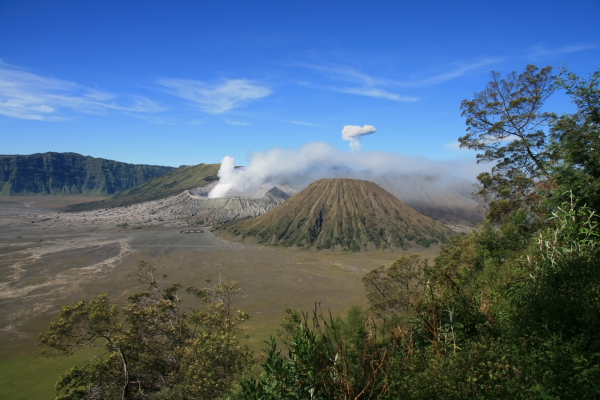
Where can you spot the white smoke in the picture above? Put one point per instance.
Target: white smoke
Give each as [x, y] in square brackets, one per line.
[317, 160]
[353, 133]
[271, 165]
[225, 178]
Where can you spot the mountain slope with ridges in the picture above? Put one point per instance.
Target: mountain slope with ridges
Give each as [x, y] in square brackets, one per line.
[70, 173]
[344, 214]
[183, 178]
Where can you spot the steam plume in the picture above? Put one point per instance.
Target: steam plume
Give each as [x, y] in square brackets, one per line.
[317, 160]
[353, 133]
[272, 166]
[225, 177]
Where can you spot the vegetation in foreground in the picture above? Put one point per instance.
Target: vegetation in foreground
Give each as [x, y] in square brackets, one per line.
[511, 310]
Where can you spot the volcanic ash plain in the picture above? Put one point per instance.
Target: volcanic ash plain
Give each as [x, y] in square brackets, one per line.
[51, 260]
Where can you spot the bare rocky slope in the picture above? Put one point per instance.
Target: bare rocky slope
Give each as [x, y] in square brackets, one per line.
[184, 209]
[343, 214]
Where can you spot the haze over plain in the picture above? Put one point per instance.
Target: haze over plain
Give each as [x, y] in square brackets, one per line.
[193, 82]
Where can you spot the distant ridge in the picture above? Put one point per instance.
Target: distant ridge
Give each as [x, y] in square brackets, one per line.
[342, 214]
[70, 173]
[183, 178]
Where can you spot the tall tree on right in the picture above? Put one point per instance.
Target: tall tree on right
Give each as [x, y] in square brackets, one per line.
[506, 122]
[576, 141]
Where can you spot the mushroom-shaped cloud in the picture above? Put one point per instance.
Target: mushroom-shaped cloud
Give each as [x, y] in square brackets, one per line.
[353, 134]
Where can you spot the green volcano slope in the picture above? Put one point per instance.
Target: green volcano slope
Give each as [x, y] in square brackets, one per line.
[341, 214]
[183, 178]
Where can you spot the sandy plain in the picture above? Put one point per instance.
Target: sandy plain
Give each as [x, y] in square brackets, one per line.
[44, 265]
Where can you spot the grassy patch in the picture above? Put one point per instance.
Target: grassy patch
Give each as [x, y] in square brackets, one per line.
[33, 376]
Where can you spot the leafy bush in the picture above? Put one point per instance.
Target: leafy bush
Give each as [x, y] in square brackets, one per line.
[153, 348]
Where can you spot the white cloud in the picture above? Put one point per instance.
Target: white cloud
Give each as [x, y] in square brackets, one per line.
[302, 123]
[453, 73]
[374, 92]
[353, 134]
[540, 51]
[216, 98]
[239, 123]
[26, 95]
[365, 85]
[320, 160]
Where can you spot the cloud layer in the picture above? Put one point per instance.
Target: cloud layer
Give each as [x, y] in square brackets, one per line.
[319, 160]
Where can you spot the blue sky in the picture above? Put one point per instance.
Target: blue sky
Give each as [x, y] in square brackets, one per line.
[186, 82]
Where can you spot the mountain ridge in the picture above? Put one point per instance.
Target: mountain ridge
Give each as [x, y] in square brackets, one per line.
[54, 173]
[171, 184]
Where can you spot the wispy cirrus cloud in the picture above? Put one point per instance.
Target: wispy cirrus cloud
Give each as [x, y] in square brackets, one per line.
[303, 123]
[215, 98]
[366, 85]
[361, 84]
[540, 51]
[238, 123]
[27, 95]
[454, 72]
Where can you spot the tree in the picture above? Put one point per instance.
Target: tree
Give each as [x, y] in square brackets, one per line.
[153, 348]
[83, 325]
[391, 290]
[507, 123]
[576, 140]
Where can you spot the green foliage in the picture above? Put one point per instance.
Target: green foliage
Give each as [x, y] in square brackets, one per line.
[576, 140]
[558, 290]
[502, 316]
[498, 369]
[153, 348]
[391, 290]
[506, 313]
[510, 109]
[327, 359]
[97, 380]
[506, 122]
[512, 310]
